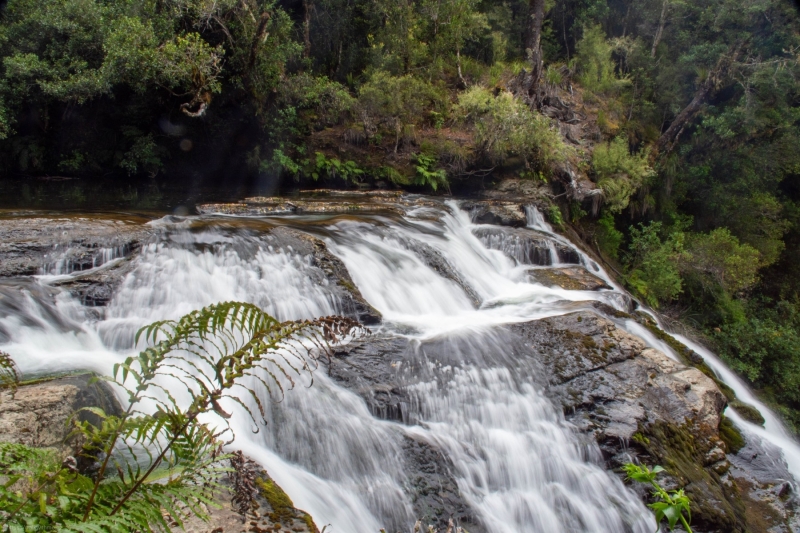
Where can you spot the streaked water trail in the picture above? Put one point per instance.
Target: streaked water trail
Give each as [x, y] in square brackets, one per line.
[441, 290]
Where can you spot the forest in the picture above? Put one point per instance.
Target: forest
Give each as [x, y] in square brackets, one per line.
[678, 120]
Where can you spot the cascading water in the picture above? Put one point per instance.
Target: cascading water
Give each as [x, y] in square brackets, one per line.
[518, 465]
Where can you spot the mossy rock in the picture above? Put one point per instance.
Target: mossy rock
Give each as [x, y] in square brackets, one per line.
[716, 506]
[283, 510]
[731, 436]
[748, 412]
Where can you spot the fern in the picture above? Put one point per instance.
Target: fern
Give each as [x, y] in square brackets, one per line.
[154, 470]
[9, 375]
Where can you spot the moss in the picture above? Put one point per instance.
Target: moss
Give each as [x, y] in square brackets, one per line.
[589, 343]
[731, 436]
[715, 506]
[52, 377]
[310, 523]
[282, 506]
[748, 412]
[348, 285]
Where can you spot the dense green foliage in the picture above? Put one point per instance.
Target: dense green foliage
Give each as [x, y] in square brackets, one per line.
[684, 114]
[156, 464]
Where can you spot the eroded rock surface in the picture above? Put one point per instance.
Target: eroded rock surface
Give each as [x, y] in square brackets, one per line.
[271, 511]
[37, 415]
[498, 212]
[639, 404]
[61, 245]
[571, 278]
[526, 246]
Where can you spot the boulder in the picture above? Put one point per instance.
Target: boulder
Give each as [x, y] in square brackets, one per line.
[570, 278]
[497, 212]
[269, 509]
[38, 414]
[640, 405]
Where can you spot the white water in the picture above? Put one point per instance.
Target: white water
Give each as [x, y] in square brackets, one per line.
[518, 464]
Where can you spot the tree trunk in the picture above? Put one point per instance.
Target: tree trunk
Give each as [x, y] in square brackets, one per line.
[660, 31]
[534, 48]
[261, 34]
[308, 6]
[669, 138]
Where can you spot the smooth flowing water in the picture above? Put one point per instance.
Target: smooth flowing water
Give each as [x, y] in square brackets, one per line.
[518, 465]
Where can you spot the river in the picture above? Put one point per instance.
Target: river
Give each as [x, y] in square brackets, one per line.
[519, 465]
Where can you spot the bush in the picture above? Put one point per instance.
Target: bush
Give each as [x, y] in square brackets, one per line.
[654, 263]
[593, 61]
[764, 346]
[506, 127]
[397, 102]
[721, 257]
[619, 173]
[609, 239]
[322, 101]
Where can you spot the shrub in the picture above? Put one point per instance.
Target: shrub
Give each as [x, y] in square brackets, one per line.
[321, 100]
[764, 346]
[506, 127]
[593, 61]
[609, 239]
[397, 102]
[619, 173]
[721, 257]
[653, 264]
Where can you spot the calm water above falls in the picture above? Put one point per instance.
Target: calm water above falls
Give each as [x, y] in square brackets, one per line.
[519, 466]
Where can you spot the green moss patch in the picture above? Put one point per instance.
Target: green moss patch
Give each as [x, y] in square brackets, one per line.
[731, 436]
[715, 506]
[282, 506]
[748, 412]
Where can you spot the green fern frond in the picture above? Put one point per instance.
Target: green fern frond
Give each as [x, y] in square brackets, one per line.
[9, 375]
[156, 463]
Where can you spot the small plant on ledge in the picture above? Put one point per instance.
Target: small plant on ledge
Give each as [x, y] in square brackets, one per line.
[674, 505]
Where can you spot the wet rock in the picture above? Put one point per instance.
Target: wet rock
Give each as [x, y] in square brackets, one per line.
[436, 498]
[379, 369]
[374, 369]
[352, 302]
[526, 246]
[437, 262]
[748, 412]
[641, 405]
[570, 278]
[520, 190]
[96, 289]
[62, 245]
[37, 414]
[496, 212]
[318, 202]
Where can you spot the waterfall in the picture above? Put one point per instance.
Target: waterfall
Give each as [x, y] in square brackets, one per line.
[519, 466]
